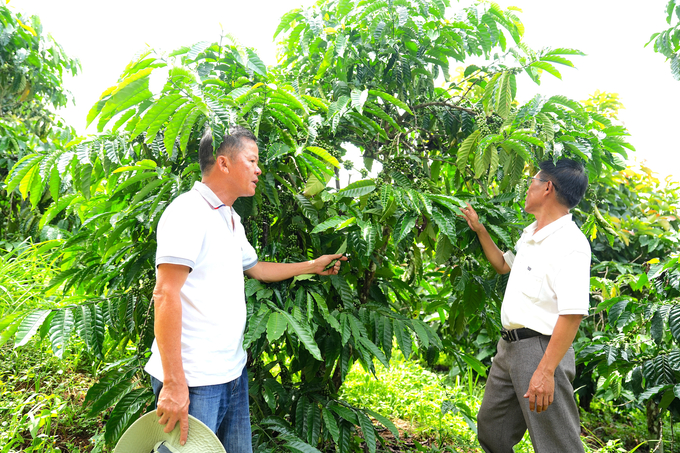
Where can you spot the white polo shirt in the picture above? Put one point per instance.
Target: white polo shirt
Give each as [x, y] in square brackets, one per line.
[196, 231]
[549, 277]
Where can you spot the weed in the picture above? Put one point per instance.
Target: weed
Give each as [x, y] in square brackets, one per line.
[41, 403]
[436, 413]
[23, 274]
[422, 404]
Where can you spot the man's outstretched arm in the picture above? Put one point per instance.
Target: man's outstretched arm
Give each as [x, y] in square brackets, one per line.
[491, 250]
[275, 272]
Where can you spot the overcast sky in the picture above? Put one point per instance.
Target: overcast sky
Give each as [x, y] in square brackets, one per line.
[106, 35]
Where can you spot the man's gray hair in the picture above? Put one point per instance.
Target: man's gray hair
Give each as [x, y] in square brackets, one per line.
[232, 143]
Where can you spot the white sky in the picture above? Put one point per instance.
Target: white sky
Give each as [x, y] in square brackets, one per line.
[106, 35]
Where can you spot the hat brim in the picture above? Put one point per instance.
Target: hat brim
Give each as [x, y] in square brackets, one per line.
[146, 432]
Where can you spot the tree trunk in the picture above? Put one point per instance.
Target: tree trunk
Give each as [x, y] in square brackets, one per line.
[654, 426]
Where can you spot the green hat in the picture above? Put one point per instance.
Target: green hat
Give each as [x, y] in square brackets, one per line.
[146, 436]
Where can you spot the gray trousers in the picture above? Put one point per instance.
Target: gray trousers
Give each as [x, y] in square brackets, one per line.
[504, 416]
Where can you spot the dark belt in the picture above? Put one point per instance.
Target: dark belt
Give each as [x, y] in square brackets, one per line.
[520, 334]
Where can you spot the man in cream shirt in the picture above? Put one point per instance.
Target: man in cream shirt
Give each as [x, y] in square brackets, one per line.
[198, 361]
[529, 385]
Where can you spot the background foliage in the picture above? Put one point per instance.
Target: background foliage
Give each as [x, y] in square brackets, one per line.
[32, 67]
[374, 78]
[667, 42]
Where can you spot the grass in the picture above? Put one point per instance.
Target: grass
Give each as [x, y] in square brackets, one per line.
[41, 407]
[607, 421]
[435, 413]
[41, 401]
[412, 397]
[41, 396]
[623, 428]
[23, 274]
[432, 411]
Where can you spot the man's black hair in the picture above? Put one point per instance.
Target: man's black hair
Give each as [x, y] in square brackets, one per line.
[569, 179]
[232, 143]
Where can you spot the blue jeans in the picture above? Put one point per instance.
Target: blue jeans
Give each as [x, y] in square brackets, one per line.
[224, 409]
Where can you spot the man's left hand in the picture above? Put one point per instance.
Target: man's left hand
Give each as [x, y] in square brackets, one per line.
[321, 263]
[541, 391]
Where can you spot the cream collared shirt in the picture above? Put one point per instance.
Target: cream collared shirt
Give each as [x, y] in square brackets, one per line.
[549, 277]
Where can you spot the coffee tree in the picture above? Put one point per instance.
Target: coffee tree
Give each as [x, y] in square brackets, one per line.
[371, 76]
[32, 67]
[629, 352]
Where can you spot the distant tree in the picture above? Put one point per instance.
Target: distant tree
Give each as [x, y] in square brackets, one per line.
[628, 350]
[604, 103]
[667, 42]
[32, 67]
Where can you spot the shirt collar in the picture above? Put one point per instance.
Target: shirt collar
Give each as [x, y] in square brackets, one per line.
[208, 195]
[546, 230]
[212, 199]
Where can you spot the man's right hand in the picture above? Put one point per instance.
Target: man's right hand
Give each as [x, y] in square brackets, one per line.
[173, 407]
[472, 218]
[491, 250]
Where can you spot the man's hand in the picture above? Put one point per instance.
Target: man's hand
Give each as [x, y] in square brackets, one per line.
[541, 390]
[322, 263]
[275, 272]
[491, 250]
[173, 407]
[472, 218]
[542, 385]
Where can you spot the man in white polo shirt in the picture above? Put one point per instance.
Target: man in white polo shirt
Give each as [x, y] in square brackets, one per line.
[198, 362]
[529, 384]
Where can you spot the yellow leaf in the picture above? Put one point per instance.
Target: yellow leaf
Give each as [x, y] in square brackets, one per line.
[653, 261]
[26, 92]
[314, 186]
[330, 30]
[326, 17]
[28, 180]
[625, 239]
[27, 28]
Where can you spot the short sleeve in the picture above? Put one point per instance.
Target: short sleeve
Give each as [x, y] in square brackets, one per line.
[572, 284]
[509, 258]
[179, 240]
[248, 253]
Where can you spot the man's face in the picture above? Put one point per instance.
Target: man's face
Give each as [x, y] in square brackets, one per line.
[534, 191]
[243, 169]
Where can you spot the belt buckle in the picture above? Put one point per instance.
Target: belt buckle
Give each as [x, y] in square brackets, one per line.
[510, 335]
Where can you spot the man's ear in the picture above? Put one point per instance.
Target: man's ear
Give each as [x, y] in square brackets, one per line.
[223, 163]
